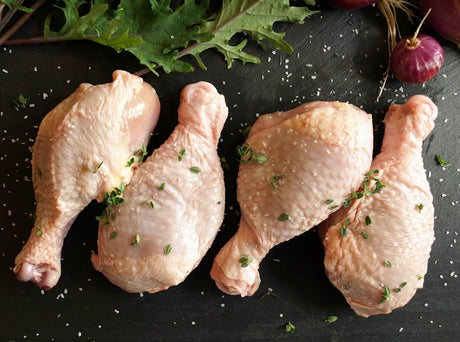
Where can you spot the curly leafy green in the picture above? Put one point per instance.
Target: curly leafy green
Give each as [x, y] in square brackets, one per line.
[254, 17]
[159, 33]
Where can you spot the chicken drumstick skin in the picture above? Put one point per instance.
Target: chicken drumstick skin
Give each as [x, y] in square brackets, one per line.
[174, 204]
[380, 262]
[80, 153]
[315, 154]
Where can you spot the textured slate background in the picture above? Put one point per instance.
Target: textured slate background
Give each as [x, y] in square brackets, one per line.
[338, 56]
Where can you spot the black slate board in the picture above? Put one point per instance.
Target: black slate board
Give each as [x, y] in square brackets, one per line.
[338, 56]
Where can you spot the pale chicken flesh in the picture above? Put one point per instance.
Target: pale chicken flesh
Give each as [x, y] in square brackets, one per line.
[174, 205]
[314, 153]
[377, 250]
[80, 153]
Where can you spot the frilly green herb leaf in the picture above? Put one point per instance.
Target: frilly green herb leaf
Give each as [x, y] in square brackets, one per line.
[254, 17]
[158, 32]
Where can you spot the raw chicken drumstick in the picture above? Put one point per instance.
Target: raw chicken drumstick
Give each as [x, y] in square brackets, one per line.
[174, 205]
[377, 249]
[316, 154]
[80, 153]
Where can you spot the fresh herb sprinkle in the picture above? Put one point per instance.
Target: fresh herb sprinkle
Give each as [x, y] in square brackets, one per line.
[329, 201]
[290, 328]
[21, 101]
[419, 207]
[94, 170]
[181, 154]
[39, 231]
[443, 162]
[343, 229]
[168, 249]
[385, 294]
[364, 235]
[245, 260]
[330, 319]
[112, 235]
[274, 179]
[247, 154]
[269, 292]
[137, 239]
[283, 217]
[162, 186]
[387, 263]
[195, 169]
[368, 221]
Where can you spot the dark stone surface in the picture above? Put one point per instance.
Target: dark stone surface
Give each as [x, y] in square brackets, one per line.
[338, 56]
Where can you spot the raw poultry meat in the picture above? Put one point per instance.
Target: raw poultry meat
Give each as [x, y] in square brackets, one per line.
[174, 205]
[378, 248]
[80, 153]
[315, 155]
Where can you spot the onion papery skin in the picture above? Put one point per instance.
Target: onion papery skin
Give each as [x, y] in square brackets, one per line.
[350, 4]
[414, 65]
[444, 17]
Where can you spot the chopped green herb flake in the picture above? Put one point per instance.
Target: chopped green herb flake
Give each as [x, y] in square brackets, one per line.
[21, 101]
[130, 162]
[331, 319]
[403, 284]
[388, 263]
[290, 328]
[364, 235]
[419, 277]
[368, 221]
[39, 231]
[419, 207]
[385, 294]
[247, 154]
[367, 190]
[329, 201]
[443, 162]
[224, 163]
[181, 154]
[112, 235]
[219, 202]
[346, 287]
[245, 260]
[347, 203]
[136, 240]
[343, 229]
[397, 290]
[333, 207]
[274, 179]
[168, 249]
[283, 217]
[269, 292]
[195, 169]
[162, 186]
[246, 130]
[94, 170]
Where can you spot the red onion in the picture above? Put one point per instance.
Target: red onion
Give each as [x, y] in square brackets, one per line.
[444, 17]
[416, 59]
[350, 4]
